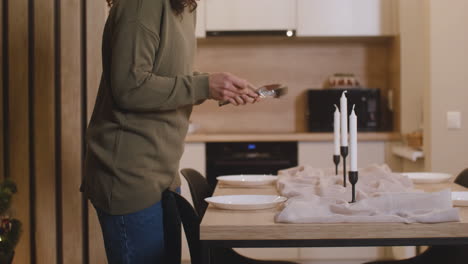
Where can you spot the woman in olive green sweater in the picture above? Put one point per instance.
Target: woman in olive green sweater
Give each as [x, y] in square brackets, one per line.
[137, 130]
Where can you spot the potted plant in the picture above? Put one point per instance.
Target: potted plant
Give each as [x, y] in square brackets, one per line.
[10, 228]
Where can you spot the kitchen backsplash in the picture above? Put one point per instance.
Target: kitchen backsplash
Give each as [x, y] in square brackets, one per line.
[299, 63]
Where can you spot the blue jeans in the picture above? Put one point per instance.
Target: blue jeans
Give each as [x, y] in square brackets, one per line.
[136, 238]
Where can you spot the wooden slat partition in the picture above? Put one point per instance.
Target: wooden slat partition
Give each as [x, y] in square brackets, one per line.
[18, 118]
[96, 12]
[44, 132]
[2, 127]
[50, 70]
[71, 106]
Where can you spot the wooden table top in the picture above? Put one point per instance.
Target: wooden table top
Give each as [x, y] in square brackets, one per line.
[229, 225]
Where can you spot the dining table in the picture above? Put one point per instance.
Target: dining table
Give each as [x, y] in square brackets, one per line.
[258, 229]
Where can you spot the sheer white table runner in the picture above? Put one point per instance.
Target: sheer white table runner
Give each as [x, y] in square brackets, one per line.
[318, 196]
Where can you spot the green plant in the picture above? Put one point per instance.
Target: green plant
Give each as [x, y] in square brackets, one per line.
[10, 228]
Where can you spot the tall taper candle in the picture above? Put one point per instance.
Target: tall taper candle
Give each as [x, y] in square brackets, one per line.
[353, 140]
[344, 119]
[336, 130]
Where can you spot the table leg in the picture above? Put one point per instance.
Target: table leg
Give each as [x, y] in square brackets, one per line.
[205, 253]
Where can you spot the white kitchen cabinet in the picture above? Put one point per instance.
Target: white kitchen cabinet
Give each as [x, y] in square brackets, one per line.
[200, 30]
[346, 17]
[240, 15]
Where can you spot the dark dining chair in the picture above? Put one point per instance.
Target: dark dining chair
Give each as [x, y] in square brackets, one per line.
[462, 178]
[200, 189]
[438, 254]
[172, 229]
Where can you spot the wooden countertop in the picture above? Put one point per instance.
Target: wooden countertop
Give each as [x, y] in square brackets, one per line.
[307, 137]
[247, 225]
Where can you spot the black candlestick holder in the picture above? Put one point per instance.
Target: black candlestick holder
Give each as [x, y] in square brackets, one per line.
[336, 160]
[344, 154]
[353, 179]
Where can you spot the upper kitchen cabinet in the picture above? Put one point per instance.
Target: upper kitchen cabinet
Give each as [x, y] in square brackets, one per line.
[346, 18]
[200, 31]
[249, 15]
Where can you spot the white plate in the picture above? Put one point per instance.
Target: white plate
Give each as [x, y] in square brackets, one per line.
[427, 177]
[460, 198]
[246, 180]
[245, 202]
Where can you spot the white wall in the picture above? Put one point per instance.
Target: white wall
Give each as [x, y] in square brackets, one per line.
[414, 57]
[448, 85]
[434, 77]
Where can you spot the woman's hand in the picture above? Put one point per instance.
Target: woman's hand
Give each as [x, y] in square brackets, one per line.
[227, 87]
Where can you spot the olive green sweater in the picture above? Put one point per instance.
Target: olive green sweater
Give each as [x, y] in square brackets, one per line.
[136, 134]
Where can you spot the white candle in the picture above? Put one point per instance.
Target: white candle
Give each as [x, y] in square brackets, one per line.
[344, 119]
[336, 130]
[353, 140]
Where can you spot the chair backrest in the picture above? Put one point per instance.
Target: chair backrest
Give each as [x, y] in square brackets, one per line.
[462, 178]
[172, 229]
[199, 189]
[191, 222]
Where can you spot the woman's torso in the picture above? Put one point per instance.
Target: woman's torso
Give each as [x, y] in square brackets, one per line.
[132, 157]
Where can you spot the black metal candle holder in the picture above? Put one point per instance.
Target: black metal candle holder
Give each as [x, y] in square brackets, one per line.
[336, 160]
[353, 179]
[344, 154]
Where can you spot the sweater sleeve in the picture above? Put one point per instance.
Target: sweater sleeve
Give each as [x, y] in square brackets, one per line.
[135, 87]
[196, 73]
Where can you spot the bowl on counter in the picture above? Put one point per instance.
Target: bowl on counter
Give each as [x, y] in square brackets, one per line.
[192, 128]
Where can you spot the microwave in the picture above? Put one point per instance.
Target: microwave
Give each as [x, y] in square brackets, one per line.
[321, 107]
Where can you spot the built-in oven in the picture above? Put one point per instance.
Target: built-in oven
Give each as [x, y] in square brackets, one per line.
[231, 158]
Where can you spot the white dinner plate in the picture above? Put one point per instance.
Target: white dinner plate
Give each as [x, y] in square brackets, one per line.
[247, 180]
[460, 198]
[245, 202]
[428, 177]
